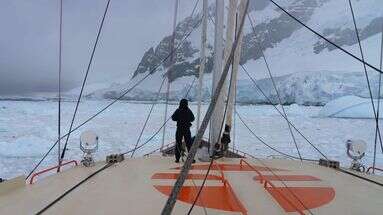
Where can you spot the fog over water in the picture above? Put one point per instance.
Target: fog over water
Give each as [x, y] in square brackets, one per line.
[29, 40]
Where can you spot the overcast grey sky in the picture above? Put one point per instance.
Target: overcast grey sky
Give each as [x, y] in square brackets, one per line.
[29, 40]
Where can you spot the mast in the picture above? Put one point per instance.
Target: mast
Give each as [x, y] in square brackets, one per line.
[231, 21]
[59, 87]
[230, 27]
[379, 91]
[202, 60]
[218, 114]
[172, 50]
[237, 56]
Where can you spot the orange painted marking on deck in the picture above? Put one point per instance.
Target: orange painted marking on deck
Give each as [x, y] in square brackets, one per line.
[288, 178]
[217, 197]
[190, 176]
[224, 197]
[311, 197]
[230, 167]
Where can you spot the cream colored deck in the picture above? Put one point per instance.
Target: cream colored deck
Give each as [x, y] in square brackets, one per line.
[128, 188]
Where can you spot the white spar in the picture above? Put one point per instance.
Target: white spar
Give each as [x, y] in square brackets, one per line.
[202, 60]
[218, 114]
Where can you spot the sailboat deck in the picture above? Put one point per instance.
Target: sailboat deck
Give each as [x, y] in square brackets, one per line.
[141, 185]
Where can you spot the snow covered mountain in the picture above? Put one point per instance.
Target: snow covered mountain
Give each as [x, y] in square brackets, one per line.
[295, 55]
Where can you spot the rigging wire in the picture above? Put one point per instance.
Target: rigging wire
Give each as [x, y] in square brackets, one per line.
[150, 139]
[269, 100]
[235, 91]
[59, 85]
[264, 143]
[73, 188]
[148, 116]
[116, 99]
[194, 8]
[234, 120]
[204, 208]
[158, 131]
[324, 38]
[340, 169]
[379, 90]
[284, 184]
[366, 74]
[169, 205]
[243, 68]
[202, 185]
[168, 74]
[213, 157]
[235, 88]
[361, 177]
[108, 165]
[275, 87]
[85, 79]
[213, 22]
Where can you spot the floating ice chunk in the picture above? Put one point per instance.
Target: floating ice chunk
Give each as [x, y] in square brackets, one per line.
[349, 107]
[26, 146]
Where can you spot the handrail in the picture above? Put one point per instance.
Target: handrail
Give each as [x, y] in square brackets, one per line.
[265, 182]
[373, 169]
[51, 168]
[261, 177]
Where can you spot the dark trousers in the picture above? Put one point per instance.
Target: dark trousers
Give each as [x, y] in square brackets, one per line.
[186, 135]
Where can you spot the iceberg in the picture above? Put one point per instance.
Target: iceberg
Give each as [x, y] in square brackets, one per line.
[350, 107]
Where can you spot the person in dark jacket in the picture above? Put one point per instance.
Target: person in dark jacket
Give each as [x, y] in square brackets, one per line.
[184, 117]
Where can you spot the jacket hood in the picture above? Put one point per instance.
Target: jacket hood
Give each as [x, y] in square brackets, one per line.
[183, 104]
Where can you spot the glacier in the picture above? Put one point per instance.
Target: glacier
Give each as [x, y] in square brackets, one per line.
[310, 88]
[307, 70]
